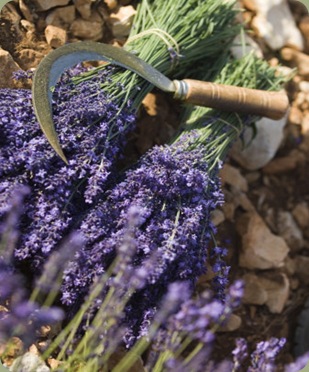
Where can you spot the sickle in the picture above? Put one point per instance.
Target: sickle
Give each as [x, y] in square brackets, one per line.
[227, 98]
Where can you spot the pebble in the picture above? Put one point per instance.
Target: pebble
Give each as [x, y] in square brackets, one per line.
[25, 11]
[84, 8]
[271, 289]
[48, 4]
[61, 17]
[277, 287]
[253, 154]
[121, 21]
[275, 24]
[261, 249]
[8, 65]
[304, 86]
[301, 214]
[297, 59]
[91, 29]
[232, 176]
[29, 362]
[111, 4]
[254, 293]
[55, 36]
[285, 163]
[288, 229]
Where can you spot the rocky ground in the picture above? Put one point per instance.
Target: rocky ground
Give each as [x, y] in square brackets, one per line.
[265, 220]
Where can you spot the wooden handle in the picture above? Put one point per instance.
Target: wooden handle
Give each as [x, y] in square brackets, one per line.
[273, 105]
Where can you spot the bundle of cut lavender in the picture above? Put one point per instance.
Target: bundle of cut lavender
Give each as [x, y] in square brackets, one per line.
[94, 122]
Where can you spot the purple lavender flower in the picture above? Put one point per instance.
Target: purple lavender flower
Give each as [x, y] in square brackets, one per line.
[299, 364]
[172, 188]
[240, 353]
[195, 324]
[24, 318]
[263, 358]
[92, 130]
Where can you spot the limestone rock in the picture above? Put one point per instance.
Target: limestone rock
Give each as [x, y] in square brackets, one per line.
[296, 59]
[277, 287]
[254, 293]
[61, 17]
[29, 362]
[8, 65]
[270, 289]
[84, 8]
[48, 4]
[25, 10]
[290, 232]
[254, 153]
[55, 36]
[91, 29]
[275, 24]
[285, 164]
[121, 21]
[111, 4]
[301, 214]
[233, 177]
[261, 249]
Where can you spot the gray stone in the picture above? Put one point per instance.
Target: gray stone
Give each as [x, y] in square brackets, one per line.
[29, 362]
[48, 4]
[253, 154]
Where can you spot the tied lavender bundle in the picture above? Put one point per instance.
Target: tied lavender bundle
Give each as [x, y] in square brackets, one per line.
[93, 115]
[172, 188]
[59, 192]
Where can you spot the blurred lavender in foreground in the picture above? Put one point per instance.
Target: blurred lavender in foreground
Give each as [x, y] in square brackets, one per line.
[178, 322]
[24, 316]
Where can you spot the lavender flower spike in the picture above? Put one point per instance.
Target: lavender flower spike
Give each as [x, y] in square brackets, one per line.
[172, 188]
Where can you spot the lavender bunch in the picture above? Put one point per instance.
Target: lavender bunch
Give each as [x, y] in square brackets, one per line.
[59, 192]
[172, 188]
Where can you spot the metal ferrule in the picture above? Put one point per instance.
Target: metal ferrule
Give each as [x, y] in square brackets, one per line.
[181, 89]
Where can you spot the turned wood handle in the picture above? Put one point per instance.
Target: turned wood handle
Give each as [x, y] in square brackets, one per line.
[273, 105]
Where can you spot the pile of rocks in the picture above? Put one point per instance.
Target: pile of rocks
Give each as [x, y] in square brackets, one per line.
[42, 25]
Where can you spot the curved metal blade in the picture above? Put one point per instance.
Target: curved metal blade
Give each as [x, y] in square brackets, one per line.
[56, 62]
